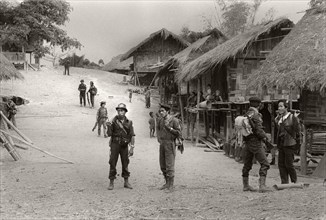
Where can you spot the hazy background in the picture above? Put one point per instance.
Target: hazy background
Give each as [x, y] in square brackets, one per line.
[108, 28]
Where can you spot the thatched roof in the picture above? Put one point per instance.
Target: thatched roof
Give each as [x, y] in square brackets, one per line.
[7, 70]
[299, 60]
[230, 49]
[196, 49]
[163, 33]
[116, 64]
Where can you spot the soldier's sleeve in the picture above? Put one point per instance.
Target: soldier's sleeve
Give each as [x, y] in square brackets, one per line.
[176, 128]
[258, 123]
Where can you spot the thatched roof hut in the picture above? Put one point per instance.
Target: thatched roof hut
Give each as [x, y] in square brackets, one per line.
[117, 65]
[230, 49]
[196, 49]
[299, 60]
[7, 70]
[163, 33]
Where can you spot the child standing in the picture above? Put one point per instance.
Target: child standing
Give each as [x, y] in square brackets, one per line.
[151, 122]
[130, 95]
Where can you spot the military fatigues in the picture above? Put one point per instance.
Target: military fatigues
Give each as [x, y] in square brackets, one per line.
[254, 146]
[119, 145]
[92, 91]
[102, 116]
[82, 93]
[168, 129]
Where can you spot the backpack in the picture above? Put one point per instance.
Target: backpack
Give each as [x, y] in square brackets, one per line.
[242, 125]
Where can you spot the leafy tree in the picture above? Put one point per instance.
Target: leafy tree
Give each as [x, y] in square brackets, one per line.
[101, 62]
[32, 22]
[86, 62]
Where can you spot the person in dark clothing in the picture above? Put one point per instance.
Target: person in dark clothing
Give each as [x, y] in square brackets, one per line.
[288, 133]
[254, 147]
[148, 98]
[151, 122]
[122, 135]
[168, 129]
[12, 111]
[66, 65]
[92, 92]
[101, 117]
[82, 93]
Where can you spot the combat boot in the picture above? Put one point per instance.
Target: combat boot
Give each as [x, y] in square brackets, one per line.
[127, 184]
[262, 185]
[166, 184]
[246, 186]
[170, 186]
[111, 186]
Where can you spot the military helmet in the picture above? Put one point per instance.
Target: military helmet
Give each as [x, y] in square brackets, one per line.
[122, 106]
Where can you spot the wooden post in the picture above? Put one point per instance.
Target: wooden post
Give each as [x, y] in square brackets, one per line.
[188, 113]
[303, 152]
[181, 105]
[290, 98]
[228, 126]
[197, 116]
[5, 126]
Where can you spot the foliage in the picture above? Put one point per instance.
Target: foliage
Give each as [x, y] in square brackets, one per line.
[32, 22]
[192, 36]
[86, 62]
[101, 62]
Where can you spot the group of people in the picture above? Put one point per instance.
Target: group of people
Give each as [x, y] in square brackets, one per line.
[287, 143]
[122, 141]
[91, 93]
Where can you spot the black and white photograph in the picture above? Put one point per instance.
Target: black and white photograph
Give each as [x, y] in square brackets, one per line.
[162, 110]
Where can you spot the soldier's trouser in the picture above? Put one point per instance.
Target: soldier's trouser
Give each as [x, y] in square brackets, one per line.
[92, 100]
[101, 122]
[259, 153]
[116, 150]
[82, 99]
[285, 165]
[167, 158]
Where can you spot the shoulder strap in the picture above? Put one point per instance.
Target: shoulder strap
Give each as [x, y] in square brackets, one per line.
[121, 126]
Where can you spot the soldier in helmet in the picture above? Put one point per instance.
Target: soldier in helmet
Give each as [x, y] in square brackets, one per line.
[82, 93]
[121, 131]
[254, 147]
[168, 129]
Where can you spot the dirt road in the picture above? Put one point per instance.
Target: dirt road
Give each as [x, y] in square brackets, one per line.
[208, 185]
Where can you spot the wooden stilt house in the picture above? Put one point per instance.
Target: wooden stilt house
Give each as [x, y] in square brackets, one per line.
[227, 67]
[116, 66]
[298, 62]
[170, 71]
[152, 53]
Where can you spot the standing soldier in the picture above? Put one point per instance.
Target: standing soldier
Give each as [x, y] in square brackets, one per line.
[168, 129]
[66, 65]
[92, 91]
[254, 147]
[122, 135]
[101, 117]
[12, 111]
[82, 93]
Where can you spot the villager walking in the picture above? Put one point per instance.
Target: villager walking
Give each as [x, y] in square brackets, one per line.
[130, 94]
[82, 93]
[66, 66]
[122, 135]
[288, 136]
[92, 92]
[151, 123]
[254, 147]
[101, 117]
[168, 129]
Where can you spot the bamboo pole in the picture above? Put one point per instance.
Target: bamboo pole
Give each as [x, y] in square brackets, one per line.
[2, 121]
[303, 152]
[12, 151]
[15, 129]
[197, 116]
[21, 146]
[33, 146]
[187, 113]
[181, 105]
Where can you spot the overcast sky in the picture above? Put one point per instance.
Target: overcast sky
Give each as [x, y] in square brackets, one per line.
[108, 28]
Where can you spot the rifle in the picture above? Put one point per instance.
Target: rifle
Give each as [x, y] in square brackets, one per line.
[88, 99]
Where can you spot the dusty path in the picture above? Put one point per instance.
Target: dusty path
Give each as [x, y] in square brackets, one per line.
[208, 185]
